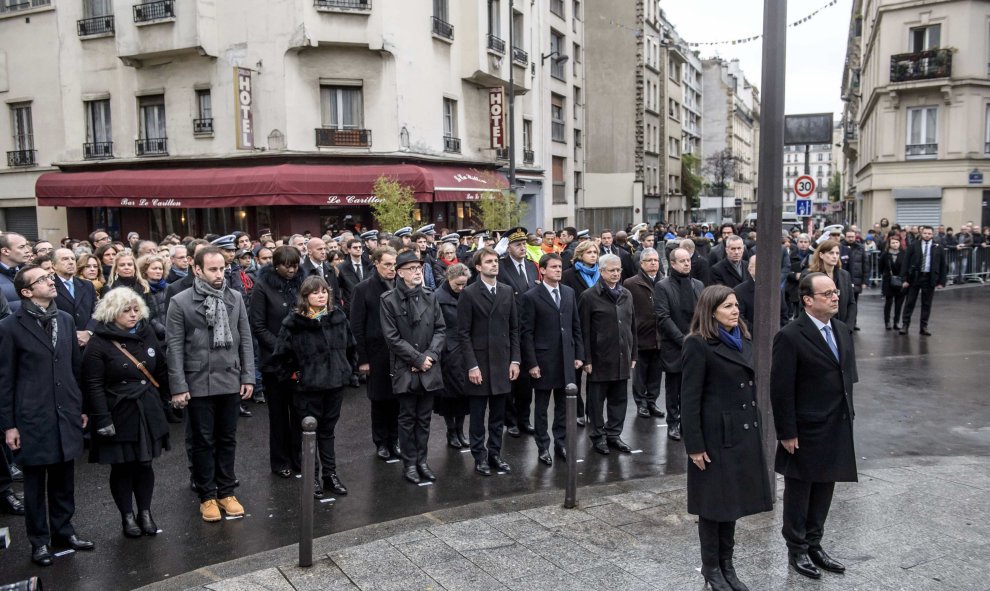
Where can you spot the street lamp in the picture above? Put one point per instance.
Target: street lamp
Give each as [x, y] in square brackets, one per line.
[558, 58]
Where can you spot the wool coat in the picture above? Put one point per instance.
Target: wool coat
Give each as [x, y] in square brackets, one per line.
[315, 351]
[366, 324]
[272, 300]
[488, 328]
[348, 278]
[724, 273]
[647, 330]
[80, 306]
[550, 337]
[451, 361]
[411, 338]
[609, 332]
[674, 319]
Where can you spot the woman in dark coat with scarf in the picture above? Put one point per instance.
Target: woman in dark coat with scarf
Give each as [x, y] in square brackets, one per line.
[124, 273]
[152, 269]
[120, 368]
[580, 276]
[451, 403]
[890, 266]
[720, 425]
[312, 351]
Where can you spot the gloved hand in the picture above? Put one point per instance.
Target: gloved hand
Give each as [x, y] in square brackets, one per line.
[108, 431]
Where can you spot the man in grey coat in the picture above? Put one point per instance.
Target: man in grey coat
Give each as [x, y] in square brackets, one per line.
[211, 368]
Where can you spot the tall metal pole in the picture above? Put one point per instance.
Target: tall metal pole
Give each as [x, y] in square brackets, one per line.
[511, 144]
[770, 208]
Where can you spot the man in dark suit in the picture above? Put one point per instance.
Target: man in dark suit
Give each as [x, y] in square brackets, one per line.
[731, 270]
[552, 351]
[488, 330]
[746, 296]
[608, 246]
[315, 263]
[646, 380]
[675, 298]
[924, 270]
[700, 269]
[75, 296]
[352, 270]
[520, 274]
[179, 257]
[812, 377]
[41, 410]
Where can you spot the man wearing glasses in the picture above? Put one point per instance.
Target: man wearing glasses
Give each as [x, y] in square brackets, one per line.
[812, 377]
[98, 238]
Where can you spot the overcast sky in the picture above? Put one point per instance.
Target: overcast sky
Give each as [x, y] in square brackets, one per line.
[816, 49]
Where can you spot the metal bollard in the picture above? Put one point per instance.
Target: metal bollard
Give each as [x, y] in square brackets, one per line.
[570, 494]
[32, 584]
[306, 496]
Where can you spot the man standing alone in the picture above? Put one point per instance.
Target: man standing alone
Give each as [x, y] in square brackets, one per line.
[924, 271]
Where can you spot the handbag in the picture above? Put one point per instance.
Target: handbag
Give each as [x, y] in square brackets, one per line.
[137, 364]
[896, 281]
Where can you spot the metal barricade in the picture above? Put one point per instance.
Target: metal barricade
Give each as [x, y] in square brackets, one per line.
[873, 258]
[979, 264]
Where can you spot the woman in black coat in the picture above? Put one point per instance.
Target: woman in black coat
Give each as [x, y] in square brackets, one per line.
[152, 270]
[451, 403]
[891, 260]
[312, 352]
[124, 403]
[826, 260]
[124, 273]
[720, 425]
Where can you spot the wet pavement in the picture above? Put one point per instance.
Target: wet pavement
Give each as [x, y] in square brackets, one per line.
[918, 396]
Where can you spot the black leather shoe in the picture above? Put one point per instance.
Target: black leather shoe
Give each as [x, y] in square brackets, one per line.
[713, 576]
[655, 410]
[76, 543]
[383, 453]
[482, 468]
[259, 399]
[886, 325]
[803, 565]
[41, 555]
[16, 474]
[411, 474]
[729, 573]
[825, 562]
[924, 332]
[148, 525]
[601, 447]
[284, 473]
[10, 504]
[396, 451]
[499, 464]
[514, 431]
[619, 444]
[560, 453]
[642, 412]
[856, 328]
[527, 429]
[333, 482]
[130, 525]
[581, 421]
[244, 412]
[425, 472]
[903, 331]
[355, 382]
[317, 489]
[452, 440]
[896, 327]
[674, 432]
[545, 457]
[463, 439]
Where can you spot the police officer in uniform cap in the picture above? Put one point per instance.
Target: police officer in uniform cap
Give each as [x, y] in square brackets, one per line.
[519, 273]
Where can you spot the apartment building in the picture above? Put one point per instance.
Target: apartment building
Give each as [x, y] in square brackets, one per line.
[916, 122]
[821, 167]
[194, 116]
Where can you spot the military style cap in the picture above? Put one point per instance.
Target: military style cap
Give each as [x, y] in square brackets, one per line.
[401, 232]
[369, 235]
[516, 234]
[428, 229]
[225, 242]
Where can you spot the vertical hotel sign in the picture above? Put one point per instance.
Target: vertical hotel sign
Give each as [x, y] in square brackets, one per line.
[243, 101]
[496, 116]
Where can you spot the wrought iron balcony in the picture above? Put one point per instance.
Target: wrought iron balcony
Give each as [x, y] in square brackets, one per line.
[153, 11]
[495, 44]
[452, 144]
[529, 156]
[156, 146]
[98, 25]
[203, 126]
[342, 4]
[921, 150]
[97, 150]
[502, 154]
[520, 56]
[921, 65]
[443, 29]
[343, 138]
[22, 158]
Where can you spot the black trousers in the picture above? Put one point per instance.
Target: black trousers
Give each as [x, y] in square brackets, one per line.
[611, 398]
[324, 406]
[895, 300]
[5, 478]
[415, 412]
[130, 481]
[49, 502]
[718, 538]
[520, 402]
[284, 424]
[495, 406]
[806, 506]
[541, 408]
[672, 391]
[927, 290]
[384, 422]
[213, 420]
[646, 377]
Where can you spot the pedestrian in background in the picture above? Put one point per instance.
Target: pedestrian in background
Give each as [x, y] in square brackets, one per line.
[152, 268]
[891, 281]
[452, 403]
[88, 267]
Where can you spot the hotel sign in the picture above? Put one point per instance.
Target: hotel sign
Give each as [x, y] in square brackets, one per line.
[243, 101]
[496, 117]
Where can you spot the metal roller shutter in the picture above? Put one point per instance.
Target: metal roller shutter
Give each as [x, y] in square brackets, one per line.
[916, 212]
[23, 220]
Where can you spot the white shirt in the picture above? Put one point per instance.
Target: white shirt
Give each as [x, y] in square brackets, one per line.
[821, 328]
[550, 290]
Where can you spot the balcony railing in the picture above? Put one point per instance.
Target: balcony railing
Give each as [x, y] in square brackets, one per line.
[443, 29]
[520, 56]
[342, 4]
[495, 44]
[921, 150]
[97, 150]
[153, 11]
[203, 125]
[98, 25]
[22, 158]
[343, 138]
[156, 146]
[559, 194]
[557, 131]
[502, 154]
[452, 144]
[529, 156]
[921, 65]
[6, 7]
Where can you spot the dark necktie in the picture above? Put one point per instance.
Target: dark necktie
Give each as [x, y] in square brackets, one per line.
[522, 272]
[831, 341]
[492, 289]
[556, 297]
[360, 272]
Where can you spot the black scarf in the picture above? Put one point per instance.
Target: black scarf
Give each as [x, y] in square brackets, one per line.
[684, 286]
[613, 292]
[415, 302]
[46, 319]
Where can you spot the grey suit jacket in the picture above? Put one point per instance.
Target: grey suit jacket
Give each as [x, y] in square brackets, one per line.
[193, 366]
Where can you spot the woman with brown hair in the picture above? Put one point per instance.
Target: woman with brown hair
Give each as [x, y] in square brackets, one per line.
[106, 253]
[88, 267]
[727, 476]
[153, 269]
[826, 260]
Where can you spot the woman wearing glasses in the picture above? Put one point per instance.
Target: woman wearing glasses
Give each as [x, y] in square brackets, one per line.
[826, 260]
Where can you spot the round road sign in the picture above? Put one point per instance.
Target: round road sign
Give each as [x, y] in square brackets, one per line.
[804, 186]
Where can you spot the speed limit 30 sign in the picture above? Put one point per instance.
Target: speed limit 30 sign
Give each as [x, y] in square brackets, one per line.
[804, 186]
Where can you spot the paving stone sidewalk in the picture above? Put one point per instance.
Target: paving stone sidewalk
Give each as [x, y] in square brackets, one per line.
[917, 524]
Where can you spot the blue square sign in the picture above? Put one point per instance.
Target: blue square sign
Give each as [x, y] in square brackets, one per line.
[802, 207]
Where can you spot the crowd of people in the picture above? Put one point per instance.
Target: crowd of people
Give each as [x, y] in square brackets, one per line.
[104, 342]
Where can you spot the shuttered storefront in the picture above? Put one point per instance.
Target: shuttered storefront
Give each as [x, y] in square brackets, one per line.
[23, 220]
[918, 206]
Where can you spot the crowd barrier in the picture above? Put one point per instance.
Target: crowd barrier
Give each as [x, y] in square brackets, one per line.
[965, 265]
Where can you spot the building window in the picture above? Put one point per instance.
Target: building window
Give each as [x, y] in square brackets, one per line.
[577, 138]
[529, 156]
[922, 132]
[674, 148]
[557, 50]
[342, 107]
[23, 153]
[494, 18]
[986, 144]
[559, 190]
[152, 136]
[451, 142]
[557, 125]
[14, 5]
[557, 7]
[441, 20]
[99, 132]
[95, 8]
[203, 123]
[820, 156]
[925, 38]
[577, 58]
[441, 10]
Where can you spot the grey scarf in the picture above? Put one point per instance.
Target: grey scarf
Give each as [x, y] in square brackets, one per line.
[46, 319]
[216, 313]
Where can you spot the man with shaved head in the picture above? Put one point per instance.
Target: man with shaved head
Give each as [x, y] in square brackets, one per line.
[314, 262]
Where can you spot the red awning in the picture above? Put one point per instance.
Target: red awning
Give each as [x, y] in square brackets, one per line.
[282, 184]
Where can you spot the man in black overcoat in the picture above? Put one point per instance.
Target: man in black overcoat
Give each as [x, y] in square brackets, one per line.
[352, 270]
[648, 375]
[41, 411]
[488, 329]
[731, 270]
[812, 377]
[372, 353]
[675, 298]
[924, 270]
[519, 273]
[315, 263]
[552, 351]
[186, 282]
[75, 296]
